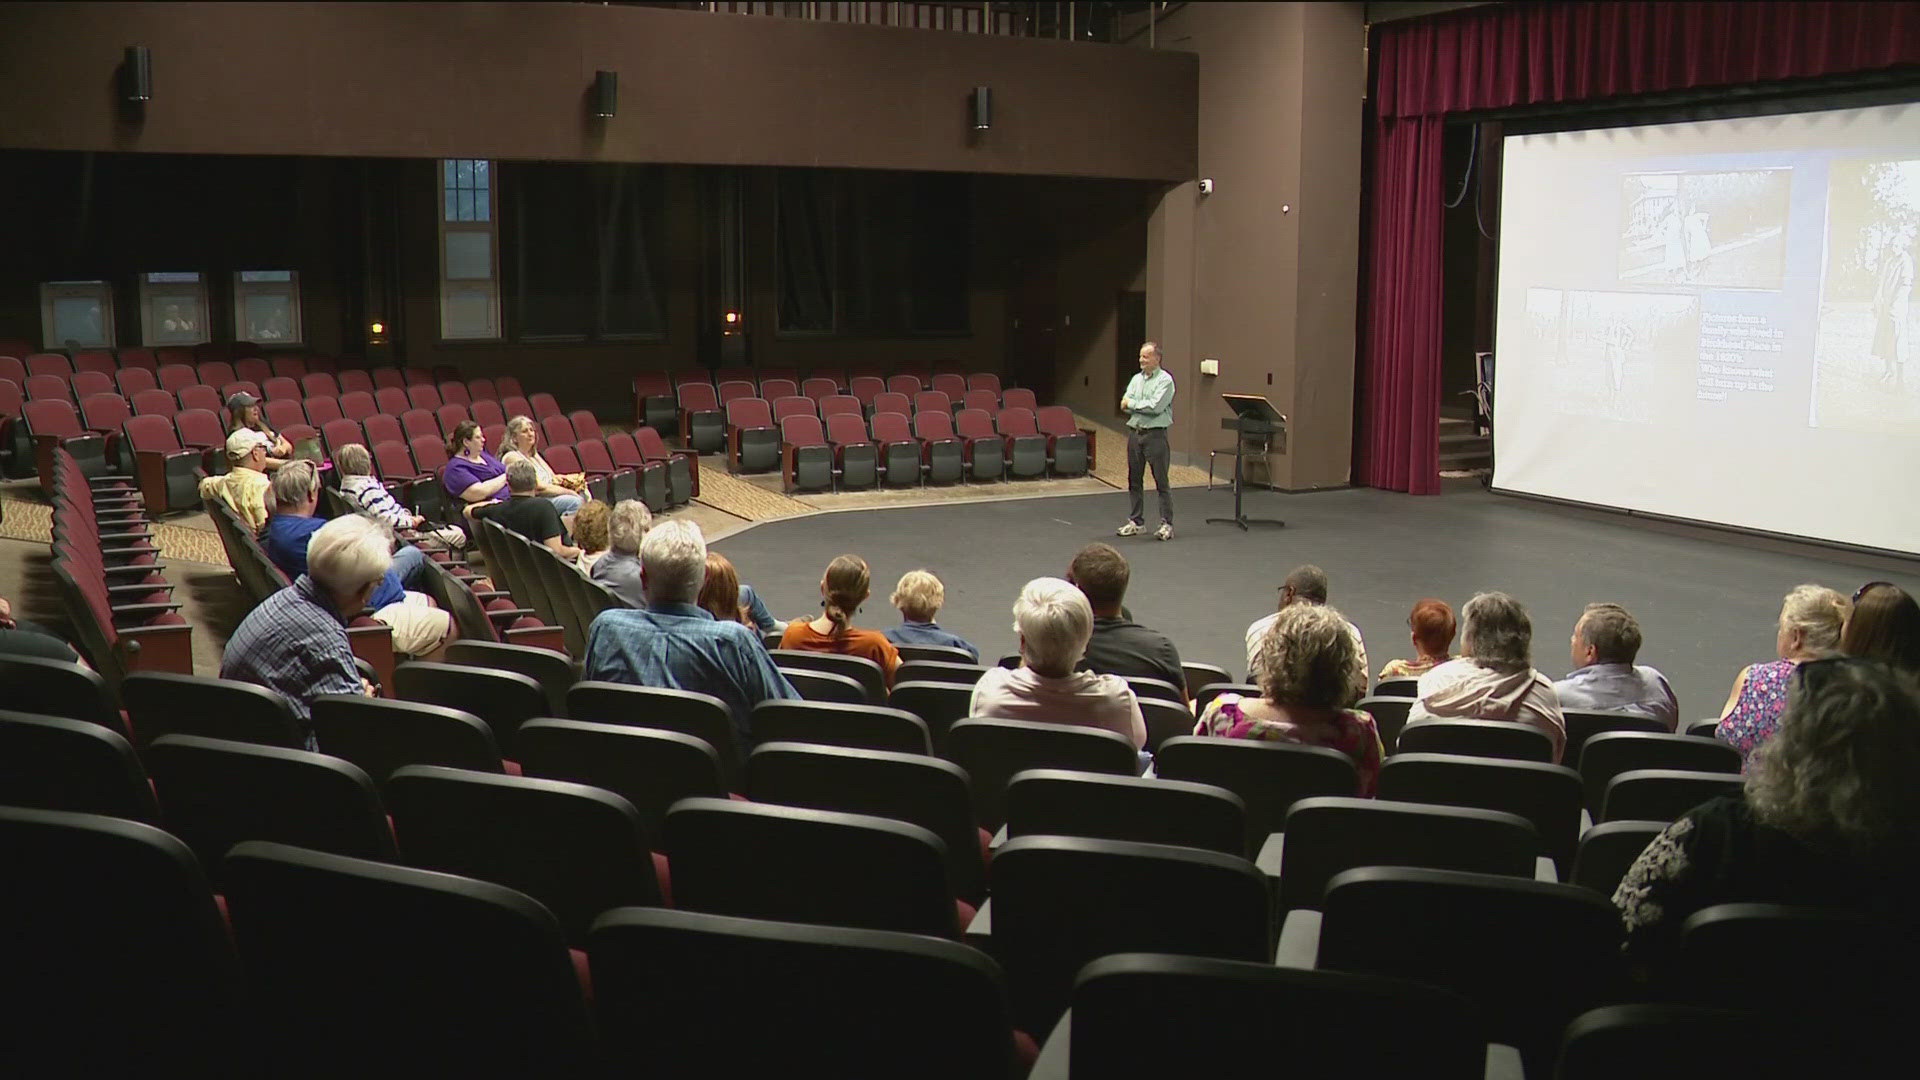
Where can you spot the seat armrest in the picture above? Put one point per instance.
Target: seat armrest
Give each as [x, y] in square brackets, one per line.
[1299, 940]
[1054, 1062]
[1270, 851]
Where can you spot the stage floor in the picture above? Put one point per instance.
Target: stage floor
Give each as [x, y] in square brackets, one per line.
[1706, 600]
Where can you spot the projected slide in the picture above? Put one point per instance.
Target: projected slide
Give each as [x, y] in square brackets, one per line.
[1715, 321]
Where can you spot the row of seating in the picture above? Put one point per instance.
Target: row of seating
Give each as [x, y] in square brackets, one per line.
[219, 365]
[109, 575]
[930, 446]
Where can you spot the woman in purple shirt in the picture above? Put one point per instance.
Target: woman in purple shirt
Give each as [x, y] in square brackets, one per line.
[473, 476]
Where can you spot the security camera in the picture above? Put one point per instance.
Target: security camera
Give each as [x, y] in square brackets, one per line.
[1206, 185]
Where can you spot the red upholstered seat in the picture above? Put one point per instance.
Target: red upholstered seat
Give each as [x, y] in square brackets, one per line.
[793, 405]
[319, 384]
[281, 388]
[486, 413]
[353, 379]
[509, 386]
[866, 388]
[733, 389]
[133, 380]
[85, 384]
[98, 360]
[454, 392]
[138, 358]
[200, 429]
[389, 378]
[984, 400]
[155, 403]
[950, 384]
[357, 405]
[392, 400]
[775, 389]
[215, 372]
[558, 431]
[197, 396]
[894, 403]
[338, 433]
[44, 387]
[321, 410]
[840, 403]
[585, 425]
[282, 413]
[931, 401]
[176, 377]
[1018, 397]
[818, 388]
[254, 370]
[424, 396]
[544, 406]
[905, 384]
[105, 413]
[450, 416]
[515, 405]
[419, 423]
[289, 367]
[482, 390]
[984, 380]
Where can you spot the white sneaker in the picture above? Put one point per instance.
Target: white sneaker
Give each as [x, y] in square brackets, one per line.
[1131, 528]
[1164, 532]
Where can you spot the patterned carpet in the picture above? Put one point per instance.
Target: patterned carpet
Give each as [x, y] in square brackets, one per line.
[32, 519]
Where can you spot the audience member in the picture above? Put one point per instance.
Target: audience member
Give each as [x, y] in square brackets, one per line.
[295, 641]
[1306, 693]
[677, 645]
[364, 490]
[1119, 645]
[720, 592]
[919, 597]
[19, 637]
[1054, 622]
[472, 475]
[244, 409]
[420, 629]
[528, 514]
[619, 568]
[1431, 627]
[590, 524]
[243, 487]
[1304, 585]
[1811, 619]
[522, 440]
[1606, 641]
[1493, 678]
[1830, 816]
[842, 590]
[1884, 625]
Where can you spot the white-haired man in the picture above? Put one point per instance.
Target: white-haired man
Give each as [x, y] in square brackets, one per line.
[1054, 622]
[678, 645]
[420, 629]
[295, 641]
[619, 568]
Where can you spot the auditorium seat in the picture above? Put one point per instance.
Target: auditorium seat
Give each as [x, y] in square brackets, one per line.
[59, 763]
[806, 458]
[140, 358]
[381, 735]
[1269, 777]
[985, 400]
[104, 414]
[775, 389]
[651, 768]
[900, 453]
[215, 793]
[289, 367]
[385, 378]
[1662, 794]
[162, 467]
[819, 388]
[161, 704]
[557, 431]
[938, 704]
[1062, 802]
[358, 405]
[200, 429]
[597, 462]
[703, 427]
[813, 684]
[12, 368]
[1389, 717]
[650, 476]
[544, 406]
[954, 386]
[154, 402]
[753, 441]
[482, 389]
[319, 384]
[55, 424]
[1069, 447]
[176, 377]
[1532, 955]
[1026, 446]
[793, 405]
[1608, 850]
[355, 380]
[858, 668]
[702, 716]
[117, 958]
[254, 370]
[135, 381]
[937, 663]
[576, 849]
[1478, 738]
[853, 452]
[322, 410]
[241, 386]
[282, 413]
[905, 385]
[984, 380]
[932, 401]
[219, 373]
[653, 402]
[85, 384]
[1612, 753]
[841, 403]
[454, 392]
[992, 751]
[514, 405]
[508, 385]
[683, 467]
[414, 376]
[1055, 908]
[392, 400]
[55, 688]
[278, 388]
[45, 387]
[424, 396]
[759, 861]
[866, 388]
[892, 402]
[197, 396]
[1018, 397]
[487, 413]
[870, 727]
[94, 360]
[984, 451]
[731, 390]
[503, 699]
[356, 961]
[1325, 836]
[668, 984]
[1548, 796]
[450, 416]
[942, 453]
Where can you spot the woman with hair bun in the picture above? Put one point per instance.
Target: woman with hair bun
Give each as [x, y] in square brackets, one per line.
[844, 588]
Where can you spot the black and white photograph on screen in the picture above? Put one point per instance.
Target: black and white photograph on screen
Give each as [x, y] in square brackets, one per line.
[1612, 355]
[1719, 229]
[1866, 361]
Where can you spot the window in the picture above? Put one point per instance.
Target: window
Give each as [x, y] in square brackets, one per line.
[876, 253]
[587, 246]
[266, 307]
[469, 259]
[76, 313]
[173, 309]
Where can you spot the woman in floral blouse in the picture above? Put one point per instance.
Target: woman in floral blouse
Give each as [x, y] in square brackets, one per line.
[1810, 622]
[1306, 671]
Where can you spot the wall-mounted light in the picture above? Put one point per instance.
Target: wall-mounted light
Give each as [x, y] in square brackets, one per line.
[731, 318]
[136, 75]
[376, 332]
[606, 93]
[982, 107]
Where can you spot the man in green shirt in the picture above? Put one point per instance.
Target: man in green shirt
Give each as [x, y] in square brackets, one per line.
[1148, 404]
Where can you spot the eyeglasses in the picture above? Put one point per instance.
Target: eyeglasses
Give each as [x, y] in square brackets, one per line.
[1862, 590]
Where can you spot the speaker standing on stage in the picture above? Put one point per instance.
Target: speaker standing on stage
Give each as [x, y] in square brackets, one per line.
[1148, 404]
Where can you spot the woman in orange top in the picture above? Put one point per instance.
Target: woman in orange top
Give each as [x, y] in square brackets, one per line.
[842, 592]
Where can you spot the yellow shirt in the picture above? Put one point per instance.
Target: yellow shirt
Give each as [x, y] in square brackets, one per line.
[245, 493]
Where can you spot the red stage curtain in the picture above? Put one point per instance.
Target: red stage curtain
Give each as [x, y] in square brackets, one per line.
[1527, 54]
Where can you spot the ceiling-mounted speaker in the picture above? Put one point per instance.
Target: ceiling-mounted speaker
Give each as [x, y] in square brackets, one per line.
[136, 75]
[982, 108]
[606, 93]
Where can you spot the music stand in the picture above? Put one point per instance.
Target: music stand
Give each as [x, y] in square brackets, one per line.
[1252, 415]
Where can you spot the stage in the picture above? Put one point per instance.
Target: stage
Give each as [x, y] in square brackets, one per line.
[1706, 600]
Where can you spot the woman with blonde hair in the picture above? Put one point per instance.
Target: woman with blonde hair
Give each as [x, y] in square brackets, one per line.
[843, 589]
[919, 596]
[1811, 619]
[1306, 692]
[522, 440]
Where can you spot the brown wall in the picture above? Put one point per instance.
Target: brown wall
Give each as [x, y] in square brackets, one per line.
[1269, 292]
[510, 81]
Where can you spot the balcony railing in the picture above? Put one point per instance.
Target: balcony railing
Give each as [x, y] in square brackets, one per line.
[1105, 23]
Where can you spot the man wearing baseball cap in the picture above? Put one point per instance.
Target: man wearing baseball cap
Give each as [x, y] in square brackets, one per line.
[244, 488]
[245, 410]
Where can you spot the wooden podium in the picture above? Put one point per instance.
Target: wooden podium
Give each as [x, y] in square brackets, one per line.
[1253, 416]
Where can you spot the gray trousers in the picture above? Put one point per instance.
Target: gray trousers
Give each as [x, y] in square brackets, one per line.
[1147, 446]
